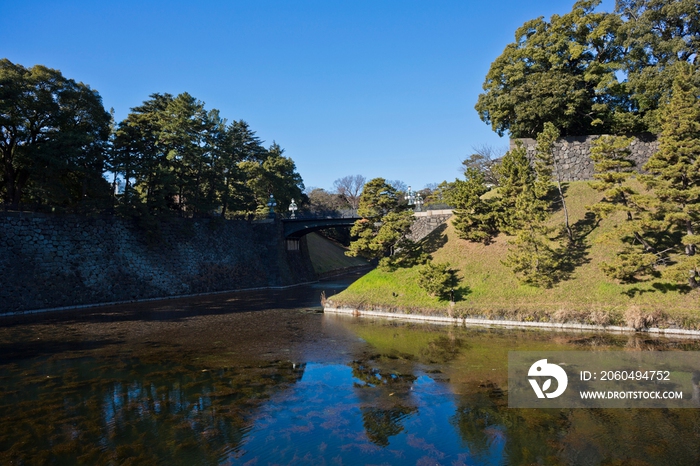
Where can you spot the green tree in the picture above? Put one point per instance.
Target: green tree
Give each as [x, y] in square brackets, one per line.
[273, 174]
[561, 71]
[516, 179]
[238, 144]
[54, 133]
[613, 167]
[324, 203]
[674, 171]
[547, 164]
[382, 232]
[438, 279]
[534, 254]
[143, 160]
[474, 218]
[656, 35]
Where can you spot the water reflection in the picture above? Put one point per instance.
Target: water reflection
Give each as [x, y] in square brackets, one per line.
[291, 386]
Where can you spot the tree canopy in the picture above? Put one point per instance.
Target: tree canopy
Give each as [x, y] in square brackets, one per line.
[170, 154]
[590, 72]
[53, 138]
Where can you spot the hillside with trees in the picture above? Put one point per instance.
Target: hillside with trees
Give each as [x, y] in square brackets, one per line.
[523, 243]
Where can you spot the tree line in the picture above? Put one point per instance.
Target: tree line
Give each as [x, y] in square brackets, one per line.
[170, 155]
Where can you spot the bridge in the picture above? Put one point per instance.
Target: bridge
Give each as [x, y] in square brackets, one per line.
[295, 228]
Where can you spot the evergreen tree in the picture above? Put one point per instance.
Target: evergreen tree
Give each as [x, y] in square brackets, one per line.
[438, 279]
[382, 232]
[613, 167]
[534, 254]
[674, 171]
[656, 35]
[561, 71]
[547, 163]
[54, 134]
[474, 218]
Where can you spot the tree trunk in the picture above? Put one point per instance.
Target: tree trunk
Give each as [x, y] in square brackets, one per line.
[569, 232]
[689, 248]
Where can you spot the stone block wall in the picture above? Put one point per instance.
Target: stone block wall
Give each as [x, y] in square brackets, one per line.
[54, 261]
[427, 222]
[573, 154]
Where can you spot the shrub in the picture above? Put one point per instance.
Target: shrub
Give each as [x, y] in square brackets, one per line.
[438, 279]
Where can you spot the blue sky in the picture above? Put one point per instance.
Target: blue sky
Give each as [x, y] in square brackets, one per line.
[377, 88]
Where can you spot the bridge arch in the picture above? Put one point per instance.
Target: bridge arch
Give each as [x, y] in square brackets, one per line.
[295, 228]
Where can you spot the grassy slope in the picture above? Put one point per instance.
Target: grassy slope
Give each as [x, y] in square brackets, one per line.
[327, 256]
[488, 288]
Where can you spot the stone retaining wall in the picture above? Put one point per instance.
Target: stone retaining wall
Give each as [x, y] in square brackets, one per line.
[427, 222]
[53, 261]
[573, 153]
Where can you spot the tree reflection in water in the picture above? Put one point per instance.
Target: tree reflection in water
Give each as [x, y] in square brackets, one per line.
[223, 389]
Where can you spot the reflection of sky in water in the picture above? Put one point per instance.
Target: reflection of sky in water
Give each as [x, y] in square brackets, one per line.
[232, 388]
[321, 417]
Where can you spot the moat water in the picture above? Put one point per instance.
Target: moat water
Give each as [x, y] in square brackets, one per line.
[266, 378]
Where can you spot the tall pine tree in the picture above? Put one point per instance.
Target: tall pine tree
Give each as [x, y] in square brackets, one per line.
[534, 254]
[474, 218]
[613, 167]
[674, 172]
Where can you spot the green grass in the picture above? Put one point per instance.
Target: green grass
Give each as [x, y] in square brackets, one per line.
[327, 256]
[490, 289]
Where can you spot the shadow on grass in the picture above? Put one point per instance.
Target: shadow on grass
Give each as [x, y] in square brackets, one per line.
[458, 294]
[666, 287]
[462, 292]
[658, 286]
[585, 226]
[632, 292]
[571, 256]
[553, 196]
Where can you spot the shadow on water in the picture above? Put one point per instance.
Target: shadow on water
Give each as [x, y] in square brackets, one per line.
[177, 309]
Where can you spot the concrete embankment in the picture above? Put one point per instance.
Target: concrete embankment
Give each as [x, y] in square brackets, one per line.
[470, 321]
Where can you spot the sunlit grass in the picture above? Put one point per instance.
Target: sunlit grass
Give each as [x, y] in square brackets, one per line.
[489, 288]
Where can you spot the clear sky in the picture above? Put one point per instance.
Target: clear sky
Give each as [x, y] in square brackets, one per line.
[377, 88]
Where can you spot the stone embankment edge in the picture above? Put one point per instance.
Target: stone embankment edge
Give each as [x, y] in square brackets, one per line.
[674, 332]
[145, 300]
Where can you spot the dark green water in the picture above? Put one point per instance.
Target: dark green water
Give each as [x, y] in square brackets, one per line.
[264, 378]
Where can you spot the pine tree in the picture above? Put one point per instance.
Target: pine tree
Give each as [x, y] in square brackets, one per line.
[546, 164]
[674, 172]
[613, 167]
[534, 255]
[474, 218]
[516, 176]
[438, 279]
[382, 232]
